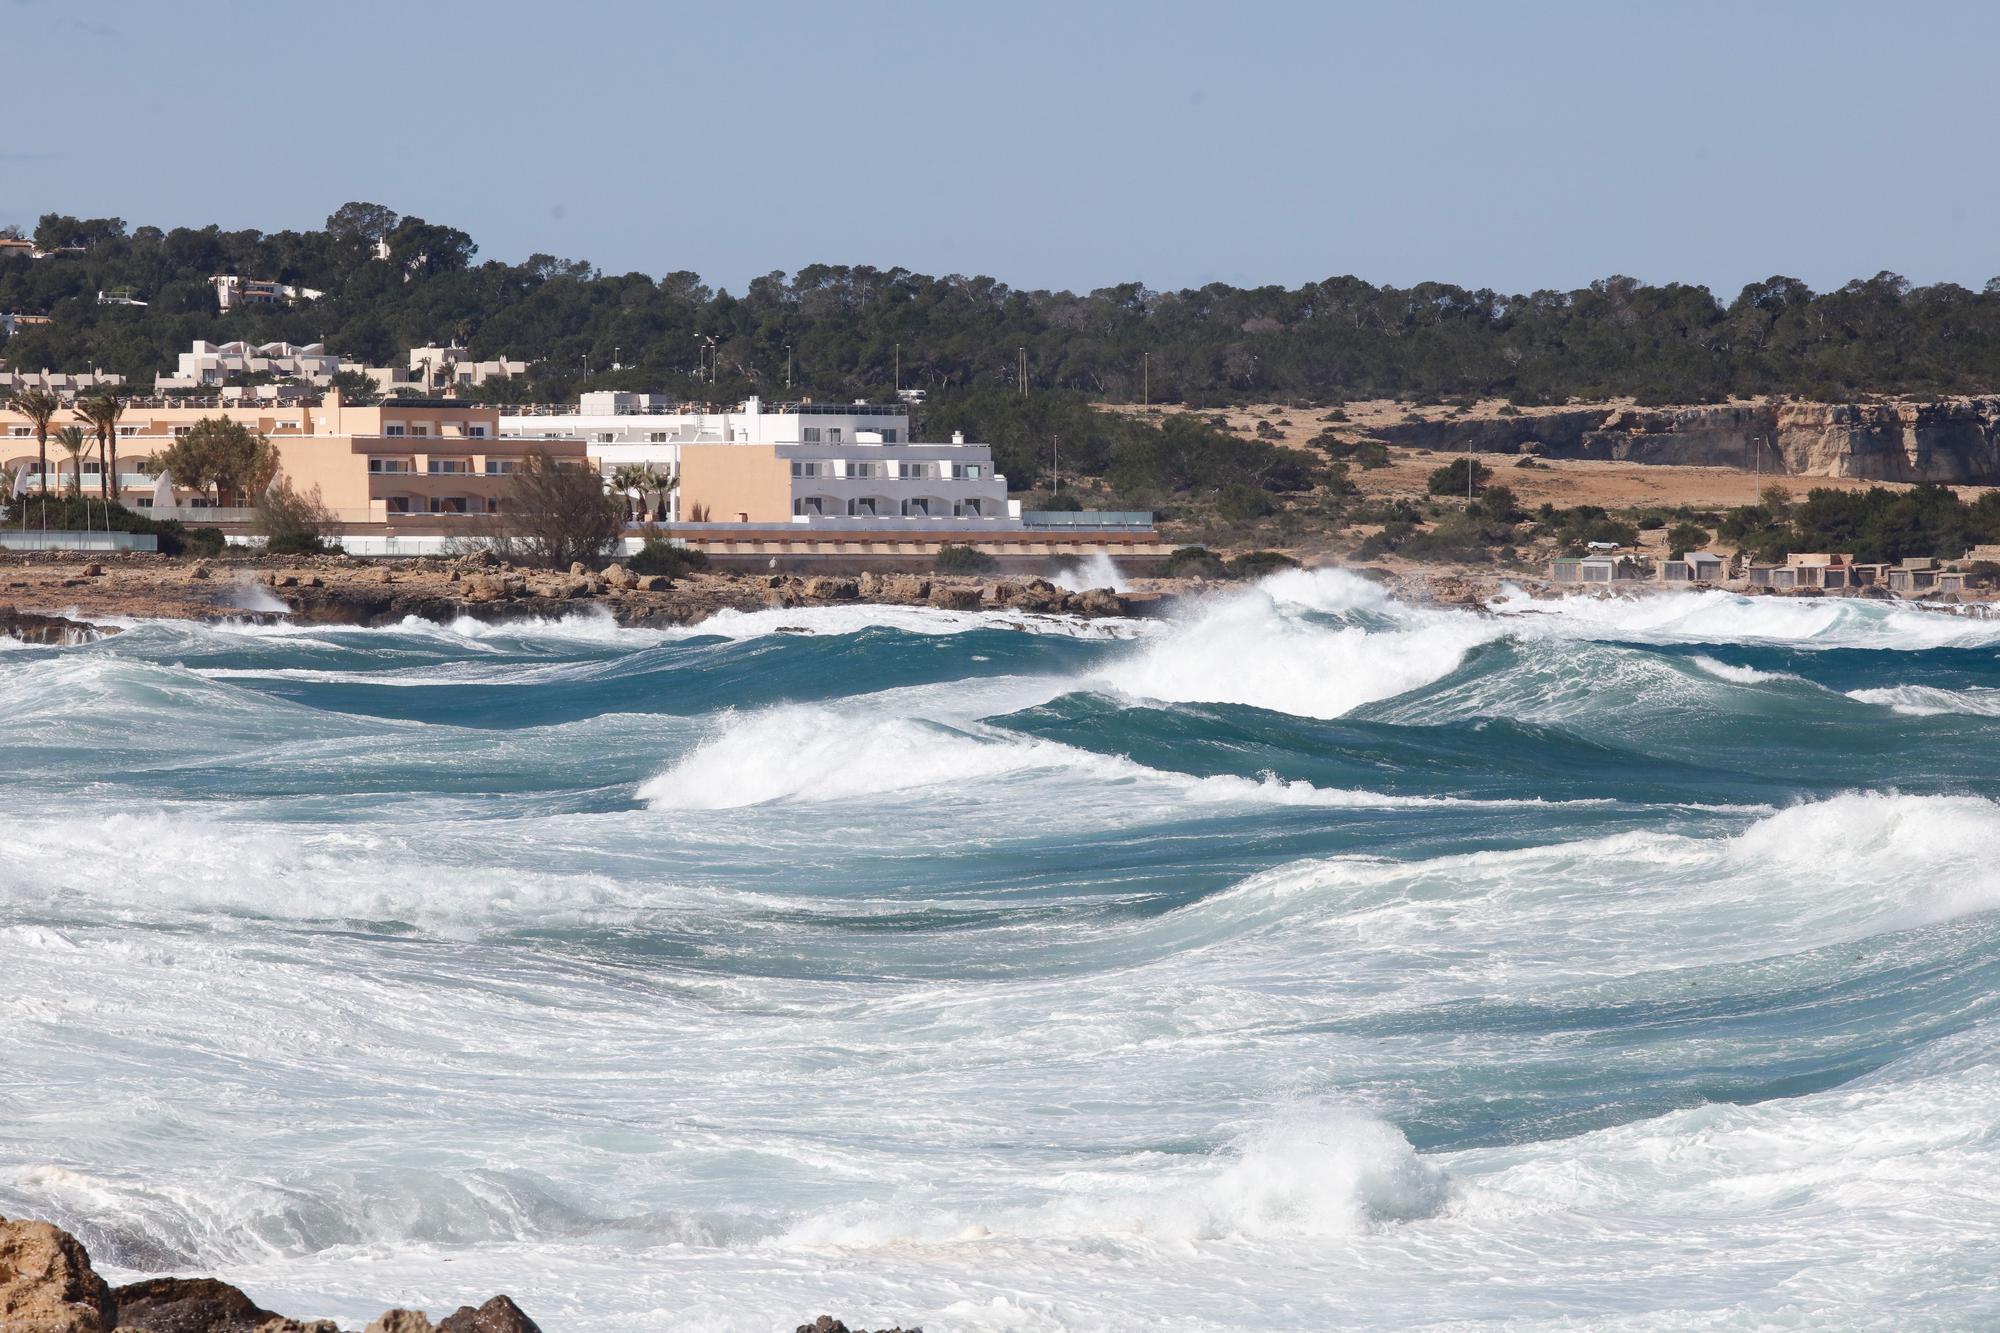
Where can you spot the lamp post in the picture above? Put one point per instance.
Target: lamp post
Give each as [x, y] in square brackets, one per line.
[788, 366]
[1145, 379]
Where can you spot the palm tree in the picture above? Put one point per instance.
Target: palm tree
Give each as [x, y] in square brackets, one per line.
[74, 442]
[630, 477]
[39, 406]
[102, 411]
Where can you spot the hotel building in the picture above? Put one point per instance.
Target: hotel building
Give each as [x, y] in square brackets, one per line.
[820, 478]
[403, 467]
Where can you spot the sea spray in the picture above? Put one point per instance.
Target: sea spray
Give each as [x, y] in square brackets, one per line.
[1308, 959]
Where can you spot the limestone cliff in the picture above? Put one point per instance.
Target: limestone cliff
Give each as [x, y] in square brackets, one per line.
[1955, 441]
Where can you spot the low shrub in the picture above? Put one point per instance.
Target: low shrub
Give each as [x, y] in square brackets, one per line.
[1194, 562]
[1244, 503]
[1256, 564]
[299, 543]
[660, 556]
[963, 560]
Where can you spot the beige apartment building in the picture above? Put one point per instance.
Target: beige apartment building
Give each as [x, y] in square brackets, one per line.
[416, 466]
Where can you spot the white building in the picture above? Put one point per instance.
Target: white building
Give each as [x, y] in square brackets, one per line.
[210, 365]
[65, 386]
[232, 291]
[432, 369]
[824, 464]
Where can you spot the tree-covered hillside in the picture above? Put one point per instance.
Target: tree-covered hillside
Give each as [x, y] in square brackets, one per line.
[843, 326]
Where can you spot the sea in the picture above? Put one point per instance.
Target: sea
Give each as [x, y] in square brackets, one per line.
[1306, 960]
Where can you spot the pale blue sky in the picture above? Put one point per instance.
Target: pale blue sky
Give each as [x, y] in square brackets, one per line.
[1077, 145]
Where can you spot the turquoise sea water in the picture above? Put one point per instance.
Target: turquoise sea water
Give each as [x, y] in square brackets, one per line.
[1313, 960]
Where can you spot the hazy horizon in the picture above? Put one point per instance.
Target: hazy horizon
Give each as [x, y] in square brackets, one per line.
[1046, 147]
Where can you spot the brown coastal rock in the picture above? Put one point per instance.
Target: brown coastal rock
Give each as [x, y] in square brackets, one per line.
[188, 1305]
[946, 598]
[402, 1321]
[47, 1284]
[499, 1315]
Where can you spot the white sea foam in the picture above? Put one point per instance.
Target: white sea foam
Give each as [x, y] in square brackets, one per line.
[1740, 675]
[1093, 571]
[1309, 1171]
[1274, 647]
[1722, 617]
[1620, 906]
[799, 754]
[1930, 700]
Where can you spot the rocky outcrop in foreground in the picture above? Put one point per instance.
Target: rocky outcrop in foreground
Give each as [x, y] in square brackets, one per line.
[339, 591]
[48, 1286]
[1954, 441]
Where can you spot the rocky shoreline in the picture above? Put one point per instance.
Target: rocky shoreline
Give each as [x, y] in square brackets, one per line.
[47, 1285]
[49, 598]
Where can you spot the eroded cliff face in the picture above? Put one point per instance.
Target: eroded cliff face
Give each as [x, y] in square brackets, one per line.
[1955, 441]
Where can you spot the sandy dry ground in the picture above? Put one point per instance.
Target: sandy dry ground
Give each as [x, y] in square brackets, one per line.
[1561, 482]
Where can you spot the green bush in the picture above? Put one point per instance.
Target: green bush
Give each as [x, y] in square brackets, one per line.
[1194, 562]
[1685, 537]
[1256, 564]
[1452, 478]
[963, 560]
[1243, 503]
[300, 543]
[191, 541]
[62, 514]
[659, 556]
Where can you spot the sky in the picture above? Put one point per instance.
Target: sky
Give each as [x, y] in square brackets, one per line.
[1515, 145]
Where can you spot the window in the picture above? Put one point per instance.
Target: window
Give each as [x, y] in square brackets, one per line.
[397, 504]
[420, 430]
[179, 431]
[395, 428]
[863, 471]
[965, 509]
[391, 465]
[476, 432]
[811, 506]
[657, 437]
[499, 467]
[21, 432]
[865, 507]
[889, 436]
[833, 435]
[447, 504]
[801, 468]
[438, 465]
[810, 434]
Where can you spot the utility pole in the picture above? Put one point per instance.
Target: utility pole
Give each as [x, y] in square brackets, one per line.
[1024, 372]
[788, 365]
[899, 369]
[1145, 379]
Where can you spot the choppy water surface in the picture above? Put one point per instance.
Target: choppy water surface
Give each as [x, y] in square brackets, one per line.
[1314, 961]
